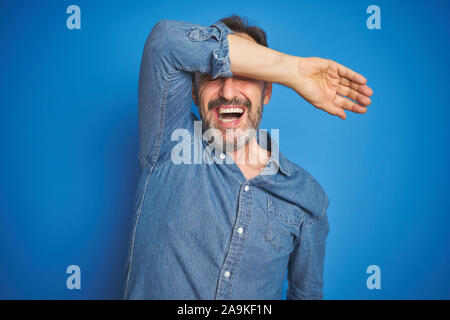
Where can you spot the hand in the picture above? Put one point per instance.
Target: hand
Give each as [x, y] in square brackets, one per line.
[328, 85]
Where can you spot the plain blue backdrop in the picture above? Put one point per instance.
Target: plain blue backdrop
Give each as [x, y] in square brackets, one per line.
[69, 139]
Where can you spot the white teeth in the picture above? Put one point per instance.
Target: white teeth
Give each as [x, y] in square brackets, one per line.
[225, 112]
[227, 120]
[231, 110]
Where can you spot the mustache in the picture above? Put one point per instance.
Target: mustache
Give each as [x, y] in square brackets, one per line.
[235, 101]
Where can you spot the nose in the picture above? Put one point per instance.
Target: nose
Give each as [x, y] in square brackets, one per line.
[228, 90]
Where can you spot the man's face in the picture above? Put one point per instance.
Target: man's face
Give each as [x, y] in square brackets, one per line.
[232, 106]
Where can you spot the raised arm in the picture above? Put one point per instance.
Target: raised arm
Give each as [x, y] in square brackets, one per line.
[173, 51]
[324, 83]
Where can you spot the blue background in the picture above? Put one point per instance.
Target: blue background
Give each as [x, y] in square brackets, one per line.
[69, 139]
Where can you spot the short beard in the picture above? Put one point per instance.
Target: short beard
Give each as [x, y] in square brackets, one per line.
[214, 136]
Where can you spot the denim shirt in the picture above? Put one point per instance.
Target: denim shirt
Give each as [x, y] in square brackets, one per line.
[202, 230]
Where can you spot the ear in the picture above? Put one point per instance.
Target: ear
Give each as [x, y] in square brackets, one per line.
[267, 92]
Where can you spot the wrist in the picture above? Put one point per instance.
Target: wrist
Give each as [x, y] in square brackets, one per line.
[291, 70]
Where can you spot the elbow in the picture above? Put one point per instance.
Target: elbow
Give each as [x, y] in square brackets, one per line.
[162, 27]
[160, 36]
[163, 30]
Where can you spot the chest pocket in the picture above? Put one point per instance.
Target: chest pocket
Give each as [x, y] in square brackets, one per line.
[283, 224]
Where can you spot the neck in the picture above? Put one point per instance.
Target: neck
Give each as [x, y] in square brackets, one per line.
[251, 158]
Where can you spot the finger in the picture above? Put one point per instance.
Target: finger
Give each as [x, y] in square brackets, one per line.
[332, 109]
[340, 113]
[363, 89]
[354, 95]
[351, 75]
[347, 104]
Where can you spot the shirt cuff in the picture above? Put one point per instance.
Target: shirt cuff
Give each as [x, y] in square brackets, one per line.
[220, 64]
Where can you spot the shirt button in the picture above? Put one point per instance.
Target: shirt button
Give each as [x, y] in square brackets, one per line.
[222, 156]
[246, 188]
[227, 274]
[240, 230]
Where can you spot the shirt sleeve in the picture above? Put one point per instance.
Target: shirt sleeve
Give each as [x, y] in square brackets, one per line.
[305, 268]
[175, 50]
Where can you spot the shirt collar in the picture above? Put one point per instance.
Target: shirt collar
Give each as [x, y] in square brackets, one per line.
[279, 164]
[277, 161]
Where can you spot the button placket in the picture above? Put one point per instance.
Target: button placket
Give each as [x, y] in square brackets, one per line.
[237, 245]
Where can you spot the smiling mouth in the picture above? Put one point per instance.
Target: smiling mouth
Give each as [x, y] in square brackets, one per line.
[229, 115]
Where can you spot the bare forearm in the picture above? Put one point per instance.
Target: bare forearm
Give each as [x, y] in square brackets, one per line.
[324, 83]
[249, 59]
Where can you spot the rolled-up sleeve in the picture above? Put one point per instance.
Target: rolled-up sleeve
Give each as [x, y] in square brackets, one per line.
[173, 51]
[306, 262]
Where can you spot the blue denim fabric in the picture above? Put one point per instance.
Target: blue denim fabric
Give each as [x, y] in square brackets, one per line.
[202, 231]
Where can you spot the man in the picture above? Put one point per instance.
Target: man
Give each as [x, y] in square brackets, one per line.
[222, 226]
